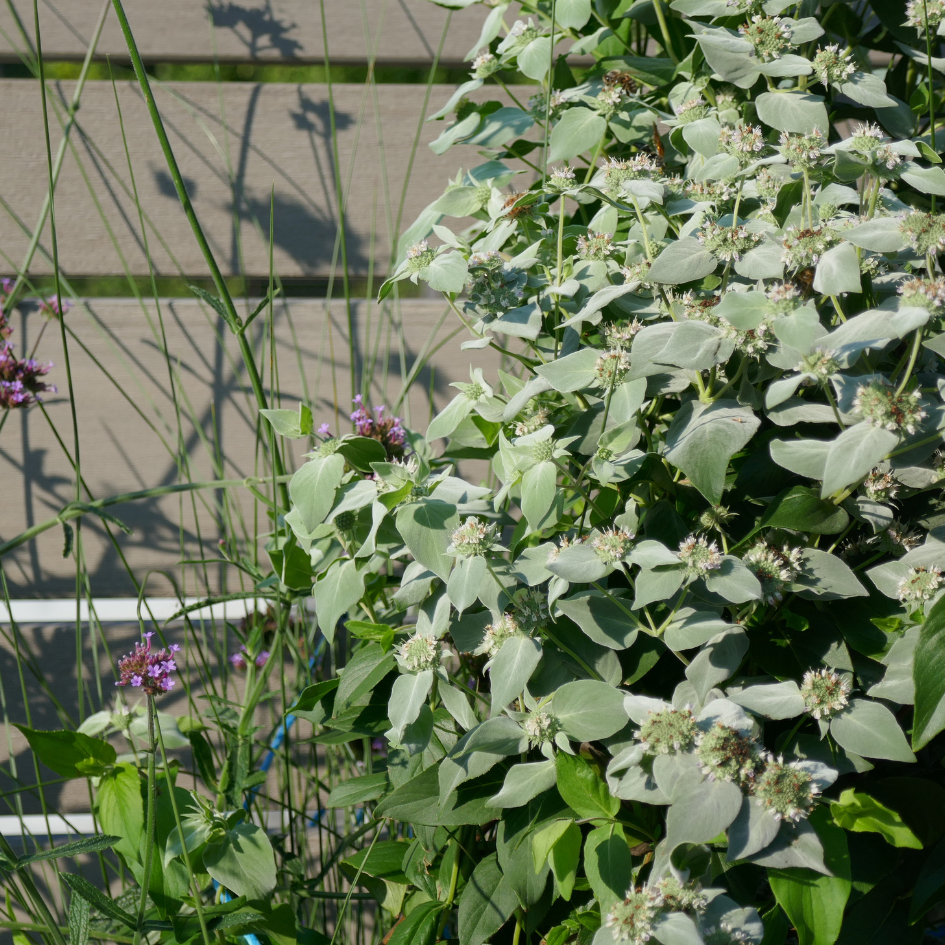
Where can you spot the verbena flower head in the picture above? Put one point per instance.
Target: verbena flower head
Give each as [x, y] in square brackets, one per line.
[804, 247]
[768, 34]
[786, 790]
[238, 659]
[472, 538]
[667, 730]
[923, 293]
[831, 66]
[595, 245]
[881, 486]
[383, 427]
[775, 568]
[612, 545]
[881, 406]
[920, 584]
[611, 368]
[699, 555]
[725, 754]
[147, 669]
[631, 920]
[20, 384]
[681, 897]
[727, 242]
[924, 231]
[419, 653]
[802, 151]
[49, 307]
[825, 693]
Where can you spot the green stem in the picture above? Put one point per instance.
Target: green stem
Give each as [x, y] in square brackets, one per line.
[913, 355]
[219, 282]
[928, 62]
[149, 829]
[642, 222]
[664, 30]
[26, 878]
[194, 888]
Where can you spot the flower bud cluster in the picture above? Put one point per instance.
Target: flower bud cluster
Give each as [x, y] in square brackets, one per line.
[667, 730]
[726, 754]
[419, 256]
[728, 242]
[924, 231]
[923, 293]
[768, 34]
[804, 247]
[691, 110]
[419, 653]
[786, 790]
[802, 151]
[881, 486]
[611, 368]
[917, 10]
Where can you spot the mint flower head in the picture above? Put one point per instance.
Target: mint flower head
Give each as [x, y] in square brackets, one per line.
[831, 66]
[879, 405]
[924, 231]
[419, 653]
[691, 110]
[775, 569]
[802, 151]
[726, 754]
[681, 897]
[825, 693]
[727, 242]
[804, 247]
[595, 245]
[147, 669]
[786, 790]
[631, 919]
[920, 584]
[768, 34]
[923, 293]
[667, 730]
[918, 10]
[611, 545]
[472, 538]
[699, 555]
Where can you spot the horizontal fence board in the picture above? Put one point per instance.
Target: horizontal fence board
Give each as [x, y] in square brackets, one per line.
[274, 136]
[121, 453]
[396, 31]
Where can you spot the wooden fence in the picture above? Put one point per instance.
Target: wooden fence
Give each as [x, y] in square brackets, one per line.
[239, 144]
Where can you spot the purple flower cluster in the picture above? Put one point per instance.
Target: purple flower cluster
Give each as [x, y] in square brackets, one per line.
[147, 670]
[20, 382]
[50, 307]
[387, 430]
[239, 660]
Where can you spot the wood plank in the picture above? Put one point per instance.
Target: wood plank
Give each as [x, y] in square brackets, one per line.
[274, 135]
[401, 31]
[121, 453]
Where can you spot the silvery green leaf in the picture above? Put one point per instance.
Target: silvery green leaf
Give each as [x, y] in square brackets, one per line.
[782, 390]
[450, 417]
[701, 7]
[701, 810]
[685, 260]
[795, 845]
[630, 781]
[752, 830]
[458, 202]
[312, 489]
[879, 516]
[457, 705]
[803, 30]
[522, 783]
[579, 564]
[871, 730]
[464, 89]
[733, 581]
[825, 577]
[426, 528]
[854, 453]
[501, 127]
[797, 112]
[781, 700]
[530, 567]
[787, 65]
[897, 684]
[703, 136]
[742, 310]
[600, 300]
[578, 131]
[638, 707]
[538, 494]
[534, 387]
[511, 669]
[691, 345]
[867, 89]
[498, 736]
[588, 710]
[882, 235]
[764, 261]
[656, 584]
[572, 14]
[521, 322]
[652, 554]
[691, 628]
[534, 60]
[838, 271]
[703, 438]
[676, 928]
[927, 180]
[601, 618]
[726, 712]
[728, 54]
[408, 694]
[447, 273]
[718, 167]
[799, 331]
[354, 497]
[644, 190]
[887, 576]
[572, 372]
[807, 458]
[676, 771]
[491, 27]
[794, 411]
[335, 593]
[743, 922]
[717, 660]
[464, 581]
